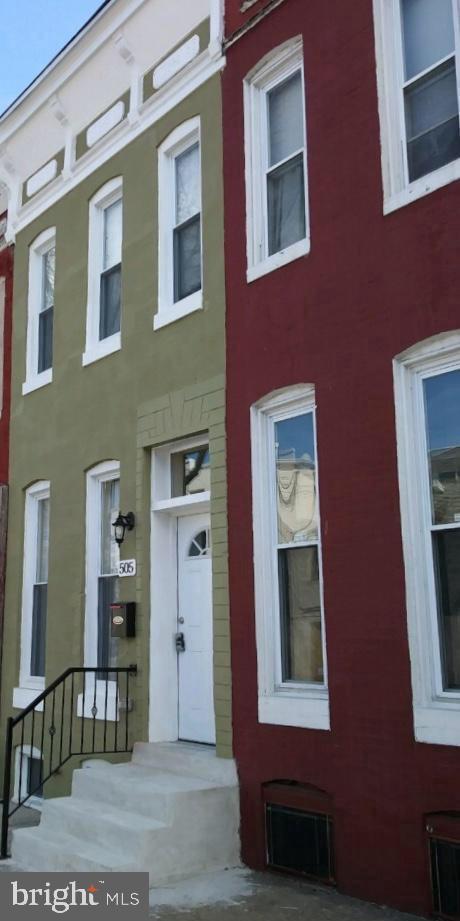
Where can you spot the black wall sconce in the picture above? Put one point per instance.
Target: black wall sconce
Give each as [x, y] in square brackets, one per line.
[122, 524]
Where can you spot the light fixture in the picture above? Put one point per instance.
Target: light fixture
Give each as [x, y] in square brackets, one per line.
[121, 525]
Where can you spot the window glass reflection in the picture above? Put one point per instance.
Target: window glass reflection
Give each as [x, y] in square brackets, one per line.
[442, 406]
[296, 479]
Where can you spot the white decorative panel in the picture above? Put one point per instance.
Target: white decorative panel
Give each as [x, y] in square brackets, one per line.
[105, 123]
[176, 61]
[42, 178]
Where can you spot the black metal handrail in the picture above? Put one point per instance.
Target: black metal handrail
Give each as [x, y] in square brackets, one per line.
[61, 726]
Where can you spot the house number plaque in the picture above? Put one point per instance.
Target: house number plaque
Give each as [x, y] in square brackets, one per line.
[126, 568]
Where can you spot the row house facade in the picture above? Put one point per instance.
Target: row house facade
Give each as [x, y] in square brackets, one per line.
[341, 161]
[236, 261]
[6, 293]
[116, 625]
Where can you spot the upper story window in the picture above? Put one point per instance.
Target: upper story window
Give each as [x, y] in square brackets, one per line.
[287, 558]
[103, 323]
[277, 207]
[179, 217]
[42, 265]
[417, 44]
[427, 382]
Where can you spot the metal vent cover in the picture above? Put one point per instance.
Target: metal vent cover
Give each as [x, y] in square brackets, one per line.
[445, 877]
[300, 842]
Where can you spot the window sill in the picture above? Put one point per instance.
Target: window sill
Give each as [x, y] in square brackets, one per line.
[174, 312]
[297, 251]
[438, 725]
[40, 380]
[293, 710]
[97, 350]
[424, 186]
[112, 715]
[23, 697]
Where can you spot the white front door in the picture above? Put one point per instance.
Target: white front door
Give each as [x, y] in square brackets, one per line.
[195, 663]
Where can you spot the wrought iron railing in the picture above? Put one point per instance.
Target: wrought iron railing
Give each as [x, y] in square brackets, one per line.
[83, 712]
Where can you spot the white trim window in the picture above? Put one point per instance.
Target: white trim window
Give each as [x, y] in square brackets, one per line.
[180, 270]
[419, 91]
[102, 581]
[103, 323]
[276, 161]
[291, 647]
[40, 311]
[427, 392]
[35, 586]
[28, 776]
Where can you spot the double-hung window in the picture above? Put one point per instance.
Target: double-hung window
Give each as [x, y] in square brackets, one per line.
[180, 247]
[35, 585]
[277, 208]
[103, 325]
[42, 264]
[417, 45]
[427, 382]
[102, 581]
[288, 569]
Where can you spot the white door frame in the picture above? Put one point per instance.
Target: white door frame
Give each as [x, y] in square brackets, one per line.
[165, 510]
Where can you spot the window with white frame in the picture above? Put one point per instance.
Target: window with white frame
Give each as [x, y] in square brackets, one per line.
[291, 646]
[419, 84]
[104, 272]
[35, 585]
[28, 776]
[180, 248]
[276, 161]
[102, 559]
[42, 263]
[427, 387]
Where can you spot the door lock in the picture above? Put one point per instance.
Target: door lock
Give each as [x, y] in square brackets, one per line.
[182, 620]
[180, 642]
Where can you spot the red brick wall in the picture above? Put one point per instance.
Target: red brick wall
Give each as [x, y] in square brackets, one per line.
[371, 287]
[239, 12]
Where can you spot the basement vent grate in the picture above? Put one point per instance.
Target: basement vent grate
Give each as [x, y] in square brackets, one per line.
[445, 875]
[300, 842]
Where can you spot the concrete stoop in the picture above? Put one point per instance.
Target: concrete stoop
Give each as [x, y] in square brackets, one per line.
[172, 811]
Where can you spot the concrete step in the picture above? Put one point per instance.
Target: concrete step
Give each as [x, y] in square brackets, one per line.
[104, 825]
[61, 852]
[187, 759]
[173, 812]
[149, 792]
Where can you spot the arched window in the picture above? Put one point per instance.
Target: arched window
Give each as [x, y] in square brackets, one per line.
[427, 394]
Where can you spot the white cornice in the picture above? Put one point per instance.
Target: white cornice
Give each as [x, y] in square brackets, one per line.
[178, 88]
[60, 70]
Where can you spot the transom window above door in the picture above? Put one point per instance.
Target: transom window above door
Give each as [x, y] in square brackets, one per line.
[181, 474]
[190, 472]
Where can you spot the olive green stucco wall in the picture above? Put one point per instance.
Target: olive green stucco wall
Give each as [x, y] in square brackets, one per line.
[161, 385]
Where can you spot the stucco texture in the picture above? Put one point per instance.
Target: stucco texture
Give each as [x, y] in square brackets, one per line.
[90, 414]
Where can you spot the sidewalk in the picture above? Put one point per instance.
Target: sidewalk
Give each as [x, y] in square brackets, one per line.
[235, 895]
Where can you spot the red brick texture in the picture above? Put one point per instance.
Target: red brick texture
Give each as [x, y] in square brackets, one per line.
[371, 287]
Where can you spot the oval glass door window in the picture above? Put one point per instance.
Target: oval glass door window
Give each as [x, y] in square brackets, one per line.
[200, 545]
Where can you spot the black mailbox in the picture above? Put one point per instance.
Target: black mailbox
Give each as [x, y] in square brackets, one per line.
[123, 619]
